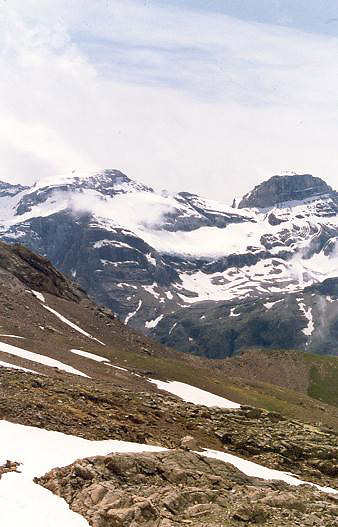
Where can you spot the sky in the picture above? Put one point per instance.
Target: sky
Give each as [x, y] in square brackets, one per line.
[207, 96]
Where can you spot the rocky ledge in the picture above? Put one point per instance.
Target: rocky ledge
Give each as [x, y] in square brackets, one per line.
[180, 487]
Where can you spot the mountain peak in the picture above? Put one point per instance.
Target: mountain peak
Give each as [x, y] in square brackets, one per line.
[281, 189]
[107, 182]
[87, 179]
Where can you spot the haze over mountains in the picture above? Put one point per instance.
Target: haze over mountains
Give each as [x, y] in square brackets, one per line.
[204, 277]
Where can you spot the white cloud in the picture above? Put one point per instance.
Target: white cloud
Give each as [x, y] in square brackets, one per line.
[176, 99]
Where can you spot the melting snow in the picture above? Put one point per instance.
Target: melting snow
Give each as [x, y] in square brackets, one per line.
[194, 395]
[268, 276]
[133, 313]
[72, 325]
[153, 323]
[39, 296]
[308, 314]
[258, 471]
[22, 502]
[41, 359]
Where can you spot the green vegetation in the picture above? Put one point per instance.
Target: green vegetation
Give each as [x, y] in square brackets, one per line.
[324, 385]
[287, 401]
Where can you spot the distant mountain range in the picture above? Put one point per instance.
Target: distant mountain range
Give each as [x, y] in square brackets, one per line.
[200, 276]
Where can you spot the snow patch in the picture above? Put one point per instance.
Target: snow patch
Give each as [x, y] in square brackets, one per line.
[41, 359]
[72, 325]
[39, 296]
[15, 367]
[254, 470]
[191, 394]
[88, 355]
[111, 243]
[153, 323]
[151, 259]
[172, 328]
[11, 336]
[133, 313]
[151, 289]
[232, 312]
[269, 305]
[308, 314]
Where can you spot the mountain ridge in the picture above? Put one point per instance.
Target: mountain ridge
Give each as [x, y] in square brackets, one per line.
[150, 256]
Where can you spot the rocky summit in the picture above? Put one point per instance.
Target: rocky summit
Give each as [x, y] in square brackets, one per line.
[283, 189]
[200, 276]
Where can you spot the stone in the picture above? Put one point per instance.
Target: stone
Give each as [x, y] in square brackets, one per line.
[188, 443]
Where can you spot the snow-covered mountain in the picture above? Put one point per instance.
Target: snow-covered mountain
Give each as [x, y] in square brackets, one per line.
[191, 271]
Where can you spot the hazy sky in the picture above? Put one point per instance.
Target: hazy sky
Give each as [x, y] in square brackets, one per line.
[211, 96]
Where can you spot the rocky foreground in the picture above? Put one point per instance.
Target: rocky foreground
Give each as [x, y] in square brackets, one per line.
[97, 412]
[180, 487]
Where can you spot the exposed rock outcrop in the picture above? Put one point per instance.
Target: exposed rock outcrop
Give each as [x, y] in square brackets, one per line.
[281, 189]
[176, 488]
[37, 272]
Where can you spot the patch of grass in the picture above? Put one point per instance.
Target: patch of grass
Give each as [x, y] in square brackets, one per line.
[324, 385]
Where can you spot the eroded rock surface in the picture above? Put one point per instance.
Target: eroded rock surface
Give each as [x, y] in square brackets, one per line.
[176, 488]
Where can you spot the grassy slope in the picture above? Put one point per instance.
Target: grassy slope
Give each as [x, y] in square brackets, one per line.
[256, 393]
[323, 374]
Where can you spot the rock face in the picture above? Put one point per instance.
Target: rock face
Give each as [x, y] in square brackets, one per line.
[37, 272]
[176, 488]
[281, 189]
[195, 274]
[306, 320]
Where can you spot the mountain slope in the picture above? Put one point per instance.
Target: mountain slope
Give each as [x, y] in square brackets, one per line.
[56, 330]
